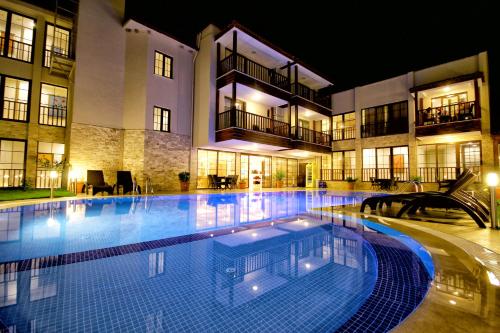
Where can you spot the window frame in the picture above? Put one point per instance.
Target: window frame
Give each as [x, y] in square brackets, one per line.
[342, 129]
[69, 56]
[385, 111]
[2, 96]
[8, 24]
[164, 56]
[169, 117]
[40, 104]
[24, 160]
[391, 162]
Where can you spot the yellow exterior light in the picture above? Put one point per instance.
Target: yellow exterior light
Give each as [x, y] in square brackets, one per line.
[492, 179]
[53, 174]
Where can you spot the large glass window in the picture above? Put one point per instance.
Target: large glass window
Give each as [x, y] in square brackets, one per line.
[437, 162]
[291, 173]
[163, 65]
[3, 26]
[12, 163]
[343, 126]
[212, 162]
[49, 156]
[384, 120]
[385, 163]
[56, 40]
[15, 99]
[337, 165]
[53, 105]
[161, 119]
[21, 35]
[350, 163]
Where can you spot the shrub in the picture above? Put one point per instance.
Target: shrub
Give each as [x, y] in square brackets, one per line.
[184, 176]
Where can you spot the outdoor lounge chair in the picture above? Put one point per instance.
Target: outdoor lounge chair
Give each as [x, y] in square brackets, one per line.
[124, 179]
[463, 180]
[95, 180]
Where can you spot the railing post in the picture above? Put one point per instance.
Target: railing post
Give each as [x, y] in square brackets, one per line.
[232, 117]
[235, 49]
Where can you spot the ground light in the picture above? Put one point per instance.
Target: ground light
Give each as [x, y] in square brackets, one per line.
[492, 182]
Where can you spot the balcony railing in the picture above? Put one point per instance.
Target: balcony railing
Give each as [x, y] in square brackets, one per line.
[380, 129]
[53, 116]
[11, 177]
[62, 53]
[385, 173]
[337, 174]
[19, 50]
[312, 95]
[343, 133]
[15, 110]
[311, 136]
[435, 174]
[43, 179]
[255, 70]
[448, 114]
[254, 122]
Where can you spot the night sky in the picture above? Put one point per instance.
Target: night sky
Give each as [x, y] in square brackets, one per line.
[352, 42]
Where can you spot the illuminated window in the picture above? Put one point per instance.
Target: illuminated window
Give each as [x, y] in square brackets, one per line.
[384, 120]
[56, 40]
[8, 284]
[15, 98]
[12, 163]
[156, 264]
[161, 119]
[49, 156]
[53, 105]
[163, 65]
[20, 40]
[385, 163]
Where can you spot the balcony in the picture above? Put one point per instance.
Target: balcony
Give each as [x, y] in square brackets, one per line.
[11, 177]
[311, 95]
[311, 136]
[459, 117]
[18, 50]
[254, 70]
[337, 174]
[253, 122]
[15, 110]
[343, 133]
[241, 125]
[436, 174]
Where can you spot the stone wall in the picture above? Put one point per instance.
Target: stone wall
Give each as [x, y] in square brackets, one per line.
[96, 148]
[165, 155]
[133, 154]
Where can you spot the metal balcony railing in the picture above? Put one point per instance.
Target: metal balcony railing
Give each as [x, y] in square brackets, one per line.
[448, 114]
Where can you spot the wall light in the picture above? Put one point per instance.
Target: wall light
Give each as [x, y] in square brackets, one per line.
[256, 97]
[492, 182]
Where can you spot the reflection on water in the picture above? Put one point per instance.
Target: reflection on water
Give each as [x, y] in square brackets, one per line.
[299, 274]
[80, 225]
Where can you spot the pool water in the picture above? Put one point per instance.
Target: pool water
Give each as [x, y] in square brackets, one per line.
[269, 262]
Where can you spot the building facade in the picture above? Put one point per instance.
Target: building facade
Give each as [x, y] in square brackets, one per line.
[102, 91]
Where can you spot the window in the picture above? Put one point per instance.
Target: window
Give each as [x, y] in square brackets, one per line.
[156, 264]
[343, 165]
[291, 174]
[212, 162]
[239, 104]
[16, 36]
[384, 120]
[385, 163]
[57, 39]
[163, 65]
[53, 105]
[49, 154]
[161, 119]
[15, 98]
[344, 126]
[8, 284]
[12, 163]
[10, 224]
[437, 162]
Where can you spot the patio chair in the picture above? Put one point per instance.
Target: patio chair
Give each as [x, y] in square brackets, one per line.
[124, 179]
[95, 181]
[374, 185]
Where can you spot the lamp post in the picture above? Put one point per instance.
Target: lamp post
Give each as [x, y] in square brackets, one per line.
[53, 176]
[492, 182]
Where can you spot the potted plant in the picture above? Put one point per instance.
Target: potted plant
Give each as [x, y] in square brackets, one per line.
[350, 182]
[243, 184]
[280, 175]
[417, 181]
[184, 177]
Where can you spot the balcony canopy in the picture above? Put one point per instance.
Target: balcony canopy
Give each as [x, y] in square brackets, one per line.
[263, 52]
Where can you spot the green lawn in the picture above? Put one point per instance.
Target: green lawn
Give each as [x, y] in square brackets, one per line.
[15, 194]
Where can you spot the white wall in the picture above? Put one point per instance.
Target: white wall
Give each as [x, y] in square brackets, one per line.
[100, 64]
[383, 92]
[205, 93]
[175, 94]
[446, 71]
[343, 101]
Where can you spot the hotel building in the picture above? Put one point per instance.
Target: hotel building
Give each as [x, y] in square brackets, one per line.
[104, 91]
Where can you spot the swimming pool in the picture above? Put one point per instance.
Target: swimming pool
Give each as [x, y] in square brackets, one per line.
[246, 262]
